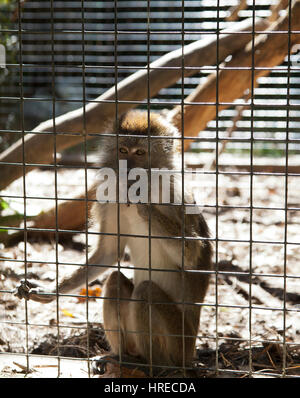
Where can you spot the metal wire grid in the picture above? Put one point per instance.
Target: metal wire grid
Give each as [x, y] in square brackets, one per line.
[216, 239]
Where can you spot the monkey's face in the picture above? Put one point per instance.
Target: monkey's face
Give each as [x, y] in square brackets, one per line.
[135, 152]
[140, 144]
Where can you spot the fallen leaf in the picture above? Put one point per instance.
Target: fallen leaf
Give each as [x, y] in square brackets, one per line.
[92, 292]
[67, 313]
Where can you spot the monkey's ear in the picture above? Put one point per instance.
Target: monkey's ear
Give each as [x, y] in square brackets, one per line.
[118, 123]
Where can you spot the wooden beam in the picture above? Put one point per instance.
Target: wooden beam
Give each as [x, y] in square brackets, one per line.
[270, 49]
[165, 71]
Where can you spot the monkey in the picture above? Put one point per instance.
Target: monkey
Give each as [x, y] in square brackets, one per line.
[154, 318]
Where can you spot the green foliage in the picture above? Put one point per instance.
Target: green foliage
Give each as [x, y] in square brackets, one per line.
[3, 205]
[11, 218]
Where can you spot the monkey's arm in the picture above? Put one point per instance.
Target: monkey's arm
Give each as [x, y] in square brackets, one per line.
[168, 221]
[104, 256]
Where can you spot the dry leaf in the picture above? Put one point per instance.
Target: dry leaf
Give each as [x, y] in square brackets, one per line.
[67, 313]
[92, 292]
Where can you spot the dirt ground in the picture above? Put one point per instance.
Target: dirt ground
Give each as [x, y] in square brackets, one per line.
[242, 324]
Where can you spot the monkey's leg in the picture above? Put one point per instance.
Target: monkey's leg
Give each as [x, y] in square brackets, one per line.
[115, 312]
[168, 347]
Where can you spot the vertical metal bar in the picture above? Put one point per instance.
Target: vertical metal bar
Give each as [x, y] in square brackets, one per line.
[149, 193]
[217, 188]
[55, 179]
[85, 182]
[118, 187]
[284, 348]
[182, 188]
[22, 128]
[251, 185]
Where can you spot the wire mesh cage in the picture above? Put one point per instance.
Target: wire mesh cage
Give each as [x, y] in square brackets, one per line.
[217, 87]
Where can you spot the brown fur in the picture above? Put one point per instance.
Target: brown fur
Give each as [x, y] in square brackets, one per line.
[155, 317]
[135, 122]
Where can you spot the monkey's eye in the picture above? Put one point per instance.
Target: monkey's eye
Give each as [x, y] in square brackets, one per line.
[140, 152]
[123, 150]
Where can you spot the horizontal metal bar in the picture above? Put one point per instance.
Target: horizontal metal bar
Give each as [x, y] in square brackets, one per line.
[208, 68]
[244, 173]
[207, 272]
[199, 138]
[146, 32]
[147, 236]
[203, 206]
[205, 304]
[158, 102]
[84, 327]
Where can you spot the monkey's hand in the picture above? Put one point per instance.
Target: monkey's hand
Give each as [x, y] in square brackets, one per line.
[30, 290]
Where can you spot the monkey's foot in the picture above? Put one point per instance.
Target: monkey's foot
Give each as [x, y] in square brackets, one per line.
[30, 290]
[110, 365]
[99, 364]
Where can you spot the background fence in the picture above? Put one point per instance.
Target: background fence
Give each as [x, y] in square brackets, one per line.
[200, 20]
